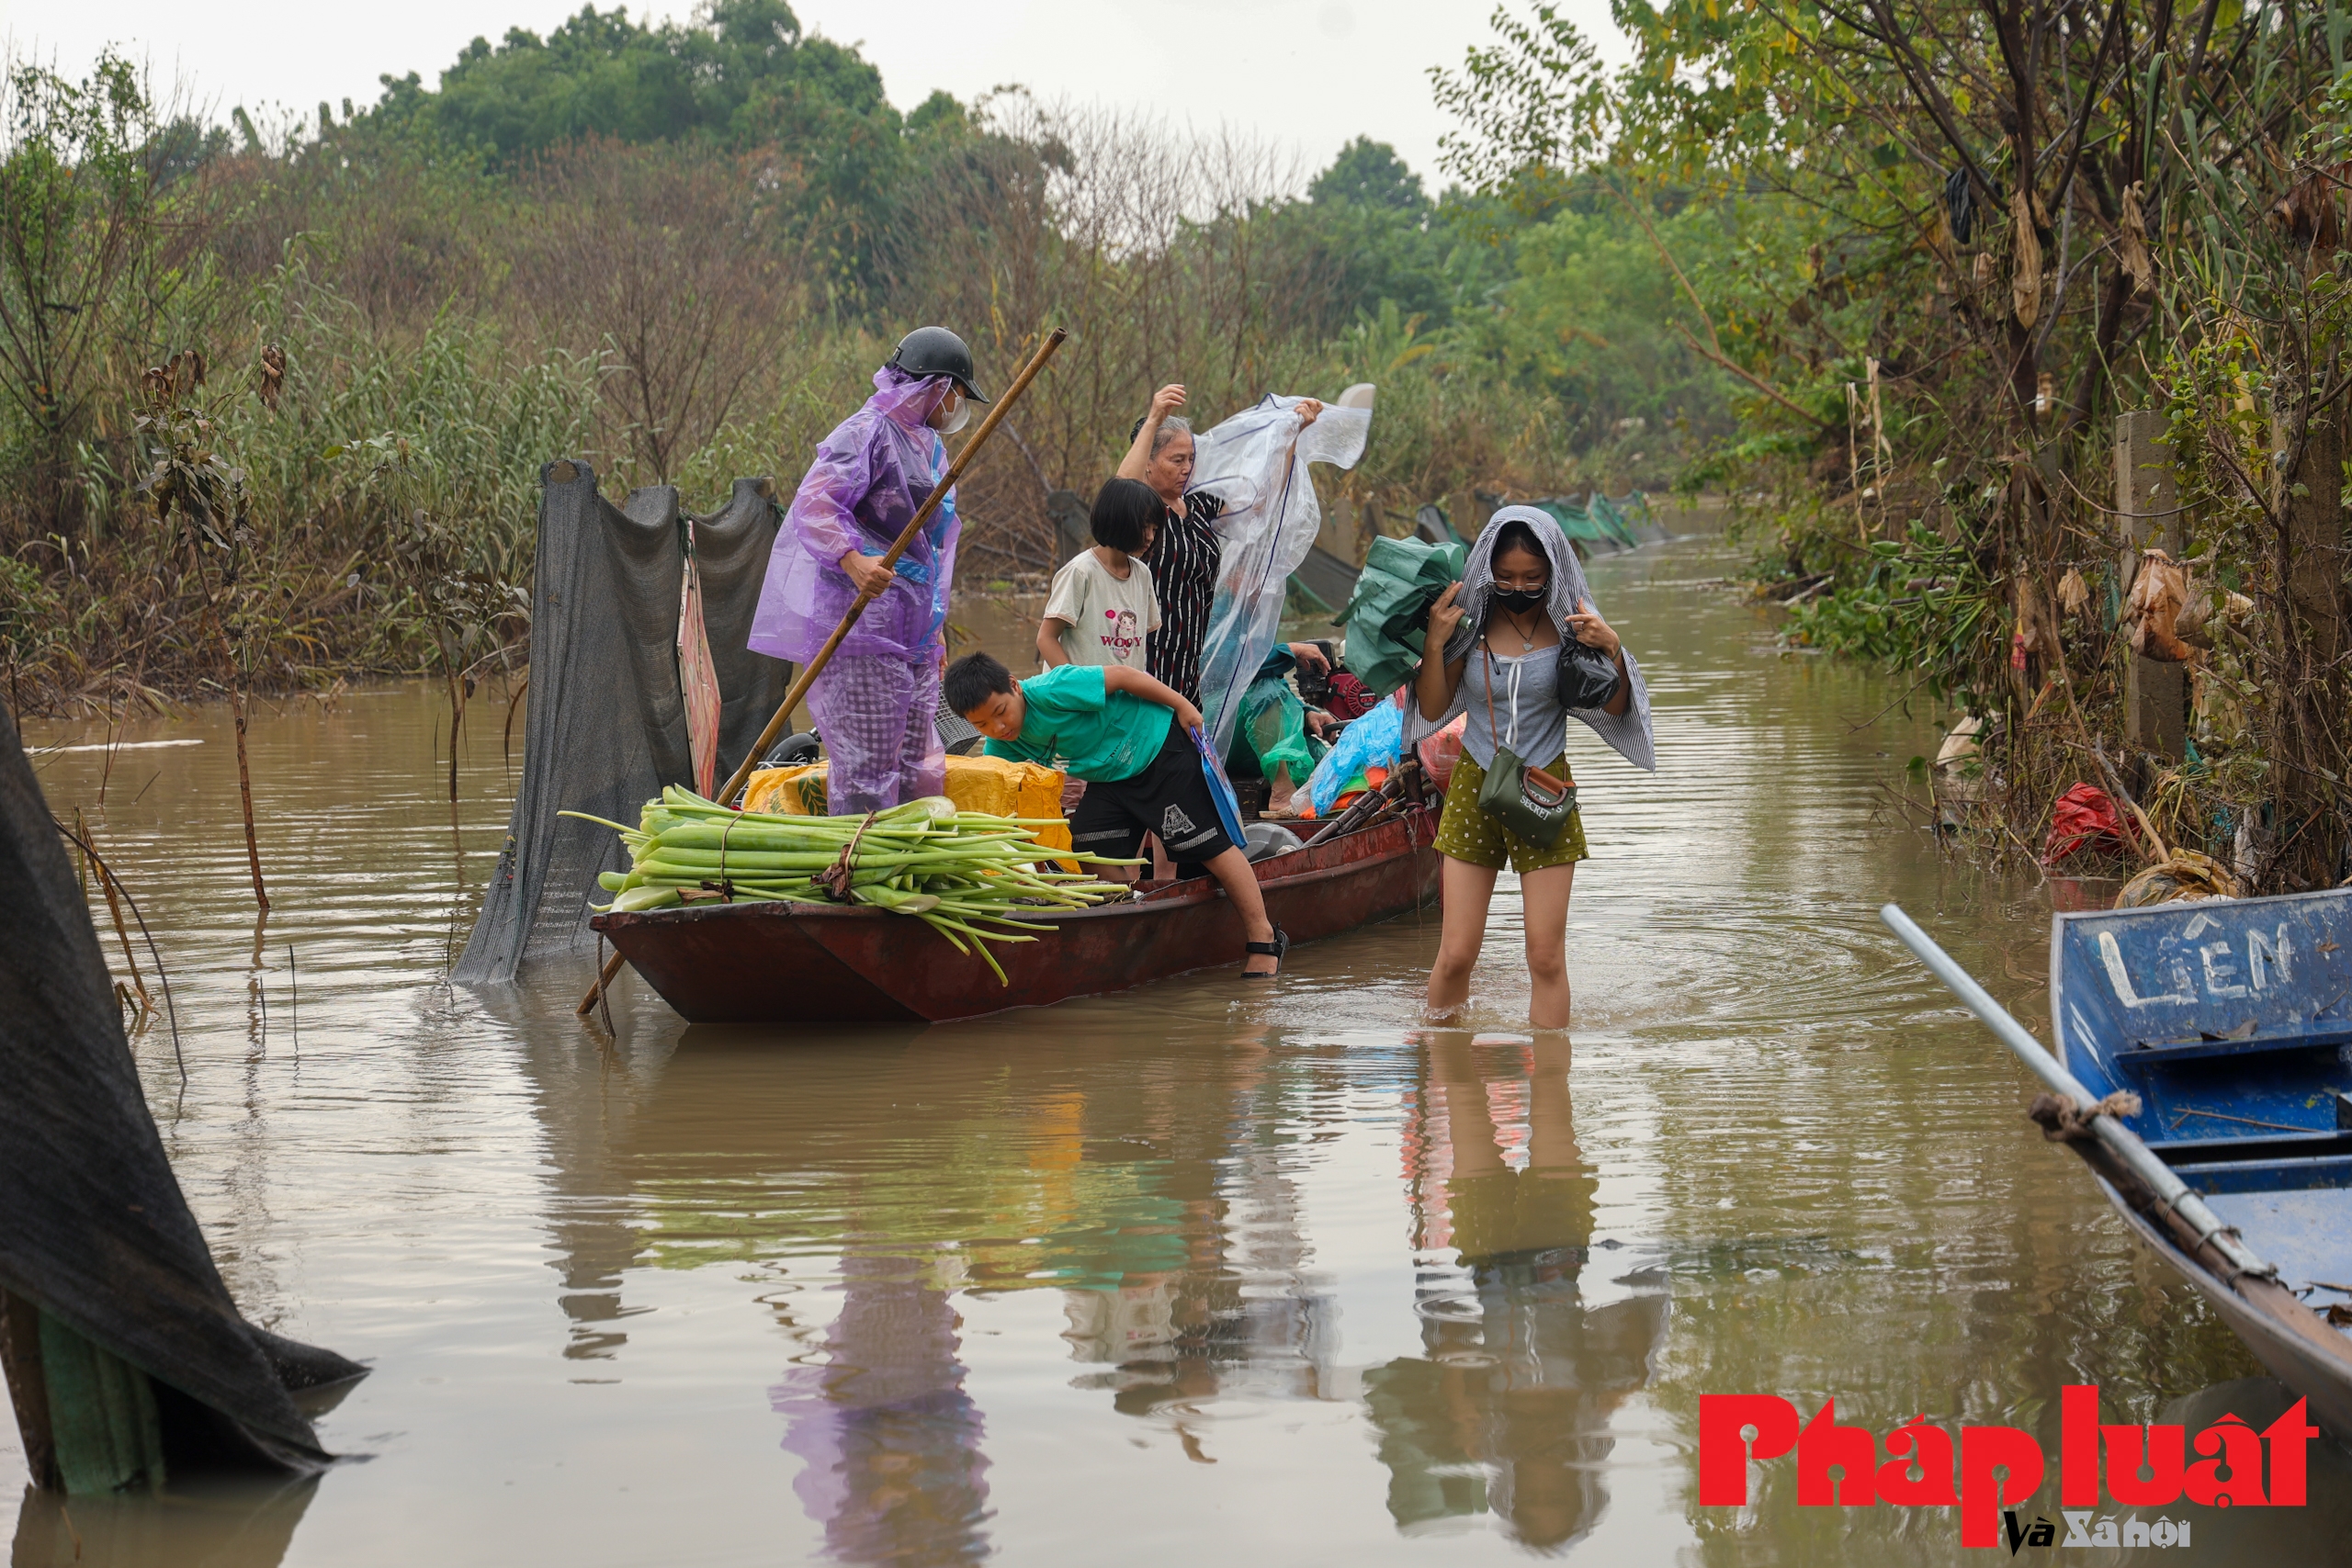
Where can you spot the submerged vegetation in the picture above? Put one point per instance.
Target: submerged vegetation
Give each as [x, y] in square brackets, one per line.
[679, 251]
[1954, 241]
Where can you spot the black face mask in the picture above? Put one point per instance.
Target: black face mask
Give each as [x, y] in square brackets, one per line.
[1519, 600]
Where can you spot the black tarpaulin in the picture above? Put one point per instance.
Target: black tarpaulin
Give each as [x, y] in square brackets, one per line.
[97, 1247]
[606, 723]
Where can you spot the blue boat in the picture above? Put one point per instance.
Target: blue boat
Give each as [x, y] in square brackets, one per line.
[2205, 1075]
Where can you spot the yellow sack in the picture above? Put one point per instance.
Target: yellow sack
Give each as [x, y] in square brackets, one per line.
[788, 792]
[1004, 788]
[993, 784]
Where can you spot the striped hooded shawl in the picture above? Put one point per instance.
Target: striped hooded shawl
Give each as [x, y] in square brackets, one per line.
[1629, 735]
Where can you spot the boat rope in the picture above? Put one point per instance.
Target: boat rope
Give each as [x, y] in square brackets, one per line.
[2116, 1140]
[2063, 1119]
[836, 878]
[2065, 1122]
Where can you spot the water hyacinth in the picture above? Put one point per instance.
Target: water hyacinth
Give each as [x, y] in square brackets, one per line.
[966, 875]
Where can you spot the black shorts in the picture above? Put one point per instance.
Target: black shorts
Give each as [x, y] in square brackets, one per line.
[1169, 798]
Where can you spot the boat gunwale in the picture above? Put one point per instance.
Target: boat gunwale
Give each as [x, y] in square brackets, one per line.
[2271, 1341]
[2142, 1055]
[1166, 898]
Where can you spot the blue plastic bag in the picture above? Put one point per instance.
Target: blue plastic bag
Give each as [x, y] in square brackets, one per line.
[1228, 804]
[1374, 741]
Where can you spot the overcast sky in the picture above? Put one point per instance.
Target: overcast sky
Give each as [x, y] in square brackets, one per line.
[1310, 74]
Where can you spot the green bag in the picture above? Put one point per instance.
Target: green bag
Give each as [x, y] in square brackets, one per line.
[1384, 616]
[1527, 800]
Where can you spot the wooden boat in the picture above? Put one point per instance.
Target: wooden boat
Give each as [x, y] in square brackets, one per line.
[2228, 1019]
[2228, 1022]
[800, 963]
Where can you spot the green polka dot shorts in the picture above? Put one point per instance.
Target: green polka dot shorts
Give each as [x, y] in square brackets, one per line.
[1469, 835]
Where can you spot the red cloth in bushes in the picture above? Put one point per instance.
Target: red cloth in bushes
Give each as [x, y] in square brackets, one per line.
[2085, 816]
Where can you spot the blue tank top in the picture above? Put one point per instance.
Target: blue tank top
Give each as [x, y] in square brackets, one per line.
[1526, 706]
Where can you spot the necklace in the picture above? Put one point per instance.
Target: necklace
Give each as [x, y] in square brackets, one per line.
[1526, 636]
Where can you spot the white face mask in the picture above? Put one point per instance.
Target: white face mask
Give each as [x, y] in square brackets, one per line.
[959, 420]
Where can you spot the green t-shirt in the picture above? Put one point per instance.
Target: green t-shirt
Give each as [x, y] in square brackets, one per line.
[1104, 735]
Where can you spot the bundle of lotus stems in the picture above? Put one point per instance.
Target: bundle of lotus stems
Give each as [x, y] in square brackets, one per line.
[966, 875]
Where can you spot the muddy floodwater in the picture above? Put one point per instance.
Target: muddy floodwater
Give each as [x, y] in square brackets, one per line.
[1187, 1275]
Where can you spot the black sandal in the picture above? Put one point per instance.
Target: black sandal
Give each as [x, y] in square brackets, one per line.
[1278, 948]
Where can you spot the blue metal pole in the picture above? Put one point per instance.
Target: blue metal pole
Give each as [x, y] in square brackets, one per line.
[2170, 1191]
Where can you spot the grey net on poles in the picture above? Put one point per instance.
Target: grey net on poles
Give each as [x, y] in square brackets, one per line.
[606, 728]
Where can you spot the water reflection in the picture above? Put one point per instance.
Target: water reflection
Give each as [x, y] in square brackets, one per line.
[1191, 1251]
[1198, 1273]
[891, 1441]
[1507, 1409]
[589, 1092]
[222, 1524]
[875, 1407]
[890, 1189]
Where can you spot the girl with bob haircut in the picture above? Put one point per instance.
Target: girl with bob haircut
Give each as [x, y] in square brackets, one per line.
[1103, 604]
[1124, 514]
[1493, 650]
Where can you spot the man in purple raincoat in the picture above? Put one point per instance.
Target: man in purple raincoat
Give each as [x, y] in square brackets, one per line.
[876, 704]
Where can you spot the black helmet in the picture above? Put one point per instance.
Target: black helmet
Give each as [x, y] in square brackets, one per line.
[935, 351]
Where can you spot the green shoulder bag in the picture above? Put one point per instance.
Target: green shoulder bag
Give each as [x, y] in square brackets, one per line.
[1527, 800]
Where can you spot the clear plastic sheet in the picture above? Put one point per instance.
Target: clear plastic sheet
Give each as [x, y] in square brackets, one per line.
[1256, 463]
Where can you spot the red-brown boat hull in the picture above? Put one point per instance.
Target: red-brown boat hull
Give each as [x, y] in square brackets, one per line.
[799, 964]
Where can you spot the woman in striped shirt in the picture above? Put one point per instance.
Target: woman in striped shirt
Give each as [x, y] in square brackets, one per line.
[1183, 557]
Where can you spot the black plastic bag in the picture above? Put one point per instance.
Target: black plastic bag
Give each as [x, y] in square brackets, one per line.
[1588, 677]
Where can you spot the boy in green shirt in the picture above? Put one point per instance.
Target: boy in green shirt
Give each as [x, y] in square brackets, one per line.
[1112, 727]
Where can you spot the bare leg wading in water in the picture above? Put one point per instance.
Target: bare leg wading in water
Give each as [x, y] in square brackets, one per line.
[1543, 896]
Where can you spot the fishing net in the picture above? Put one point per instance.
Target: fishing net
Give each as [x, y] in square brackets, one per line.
[607, 721]
[108, 1297]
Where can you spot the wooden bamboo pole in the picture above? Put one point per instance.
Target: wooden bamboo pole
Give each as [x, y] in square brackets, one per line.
[588, 1003]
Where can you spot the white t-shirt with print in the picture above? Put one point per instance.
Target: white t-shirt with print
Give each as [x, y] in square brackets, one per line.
[1107, 617]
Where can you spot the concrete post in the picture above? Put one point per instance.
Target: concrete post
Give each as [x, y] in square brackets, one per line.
[1072, 530]
[2313, 499]
[2147, 491]
[1342, 531]
[1467, 511]
[2306, 749]
[2156, 707]
[2147, 500]
[1392, 521]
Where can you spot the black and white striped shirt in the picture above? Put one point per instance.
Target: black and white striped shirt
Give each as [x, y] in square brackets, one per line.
[1183, 560]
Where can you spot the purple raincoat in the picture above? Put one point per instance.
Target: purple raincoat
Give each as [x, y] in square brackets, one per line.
[870, 474]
